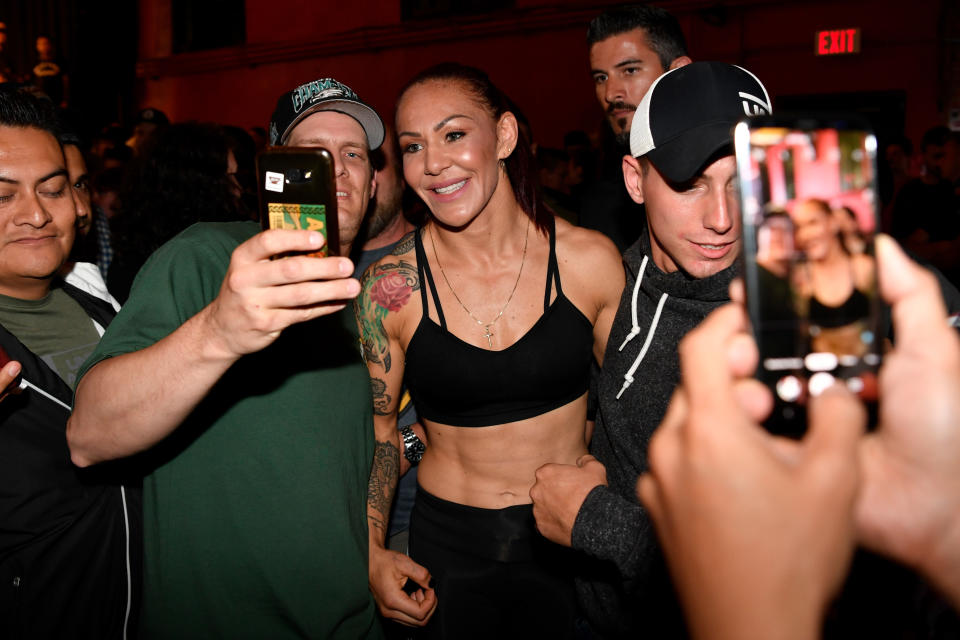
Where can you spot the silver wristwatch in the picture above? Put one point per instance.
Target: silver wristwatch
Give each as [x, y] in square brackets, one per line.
[413, 446]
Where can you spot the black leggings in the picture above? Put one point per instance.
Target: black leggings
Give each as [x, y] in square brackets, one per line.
[496, 576]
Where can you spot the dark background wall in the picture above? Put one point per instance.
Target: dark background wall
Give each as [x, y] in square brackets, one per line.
[96, 44]
[536, 52]
[228, 60]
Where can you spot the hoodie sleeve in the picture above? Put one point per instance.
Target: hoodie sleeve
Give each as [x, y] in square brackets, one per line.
[613, 528]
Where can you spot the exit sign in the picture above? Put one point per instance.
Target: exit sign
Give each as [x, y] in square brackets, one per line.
[831, 42]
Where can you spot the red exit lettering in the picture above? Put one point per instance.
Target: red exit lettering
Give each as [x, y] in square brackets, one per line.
[837, 41]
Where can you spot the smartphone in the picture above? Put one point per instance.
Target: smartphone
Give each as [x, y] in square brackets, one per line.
[808, 198]
[298, 191]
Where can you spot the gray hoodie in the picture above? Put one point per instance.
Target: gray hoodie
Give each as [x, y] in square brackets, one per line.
[629, 589]
[624, 587]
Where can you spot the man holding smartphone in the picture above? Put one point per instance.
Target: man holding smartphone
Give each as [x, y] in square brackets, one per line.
[682, 168]
[237, 383]
[791, 514]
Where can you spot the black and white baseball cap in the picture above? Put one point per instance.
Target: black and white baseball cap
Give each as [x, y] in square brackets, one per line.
[688, 115]
[325, 94]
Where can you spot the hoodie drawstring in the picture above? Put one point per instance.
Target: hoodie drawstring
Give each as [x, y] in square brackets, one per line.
[635, 330]
[25, 384]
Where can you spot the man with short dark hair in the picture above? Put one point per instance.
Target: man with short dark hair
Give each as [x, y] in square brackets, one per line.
[681, 166]
[237, 381]
[69, 539]
[630, 47]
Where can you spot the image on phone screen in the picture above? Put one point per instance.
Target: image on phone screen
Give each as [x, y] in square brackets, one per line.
[297, 191]
[808, 195]
[292, 215]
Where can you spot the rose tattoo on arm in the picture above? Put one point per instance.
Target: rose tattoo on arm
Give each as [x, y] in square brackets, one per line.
[383, 288]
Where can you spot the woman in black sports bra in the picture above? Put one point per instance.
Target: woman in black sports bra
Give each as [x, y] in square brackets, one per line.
[835, 286]
[492, 313]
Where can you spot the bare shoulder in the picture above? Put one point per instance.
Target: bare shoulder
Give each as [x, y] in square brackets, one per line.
[387, 298]
[387, 285]
[588, 252]
[590, 267]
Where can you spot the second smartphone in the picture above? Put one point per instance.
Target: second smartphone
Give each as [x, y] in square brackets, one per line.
[808, 203]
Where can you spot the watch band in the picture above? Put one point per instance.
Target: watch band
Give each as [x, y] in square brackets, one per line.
[413, 446]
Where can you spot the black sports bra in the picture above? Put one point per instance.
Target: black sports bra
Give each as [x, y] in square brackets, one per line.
[854, 308]
[453, 382]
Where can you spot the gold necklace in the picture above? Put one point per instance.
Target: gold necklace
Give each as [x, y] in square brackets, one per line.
[486, 325]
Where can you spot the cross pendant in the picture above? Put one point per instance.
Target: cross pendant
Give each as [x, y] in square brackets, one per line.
[488, 335]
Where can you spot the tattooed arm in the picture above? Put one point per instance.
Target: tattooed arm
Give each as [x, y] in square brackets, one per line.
[385, 289]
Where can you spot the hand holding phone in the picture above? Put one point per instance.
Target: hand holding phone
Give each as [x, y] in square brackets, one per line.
[298, 191]
[260, 297]
[808, 195]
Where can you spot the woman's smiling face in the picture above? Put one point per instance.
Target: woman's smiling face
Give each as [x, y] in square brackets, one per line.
[451, 147]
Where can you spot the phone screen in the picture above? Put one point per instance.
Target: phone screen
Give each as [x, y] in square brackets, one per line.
[297, 191]
[808, 195]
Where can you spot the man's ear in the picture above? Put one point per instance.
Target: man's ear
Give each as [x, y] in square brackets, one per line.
[507, 135]
[373, 180]
[682, 61]
[633, 178]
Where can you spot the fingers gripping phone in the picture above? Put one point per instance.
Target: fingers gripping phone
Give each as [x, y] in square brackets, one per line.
[298, 191]
[808, 200]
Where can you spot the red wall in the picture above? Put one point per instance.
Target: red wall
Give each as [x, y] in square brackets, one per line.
[537, 54]
[279, 20]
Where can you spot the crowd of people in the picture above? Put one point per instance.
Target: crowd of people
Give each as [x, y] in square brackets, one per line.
[518, 403]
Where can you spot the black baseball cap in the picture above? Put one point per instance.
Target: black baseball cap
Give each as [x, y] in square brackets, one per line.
[325, 94]
[688, 114]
